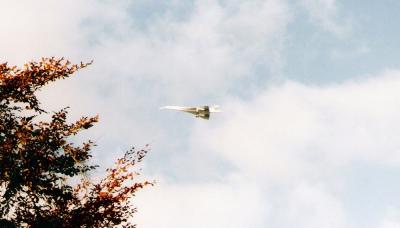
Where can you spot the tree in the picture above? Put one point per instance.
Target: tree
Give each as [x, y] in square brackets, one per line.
[37, 160]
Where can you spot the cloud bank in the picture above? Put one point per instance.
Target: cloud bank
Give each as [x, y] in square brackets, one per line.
[293, 148]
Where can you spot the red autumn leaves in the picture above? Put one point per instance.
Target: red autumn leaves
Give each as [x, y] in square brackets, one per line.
[37, 159]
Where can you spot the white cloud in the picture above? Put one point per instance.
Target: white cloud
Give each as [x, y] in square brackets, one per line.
[30, 30]
[312, 206]
[304, 140]
[200, 205]
[295, 126]
[292, 148]
[325, 14]
[239, 202]
[391, 219]
[205, 54]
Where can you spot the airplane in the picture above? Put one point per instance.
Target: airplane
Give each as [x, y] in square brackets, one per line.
[200, 111]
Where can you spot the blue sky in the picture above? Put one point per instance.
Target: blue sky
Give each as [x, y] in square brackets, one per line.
[317, 56]
[309, 89]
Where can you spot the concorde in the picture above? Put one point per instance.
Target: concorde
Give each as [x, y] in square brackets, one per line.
[200, 111]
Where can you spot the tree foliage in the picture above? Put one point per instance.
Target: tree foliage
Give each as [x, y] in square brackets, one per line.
[37, 160]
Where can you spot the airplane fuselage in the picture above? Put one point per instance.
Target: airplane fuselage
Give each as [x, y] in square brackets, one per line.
[200, 111]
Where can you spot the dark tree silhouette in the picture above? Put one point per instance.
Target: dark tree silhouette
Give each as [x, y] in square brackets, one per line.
[37, 160]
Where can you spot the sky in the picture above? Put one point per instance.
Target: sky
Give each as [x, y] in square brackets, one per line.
[309, 89]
